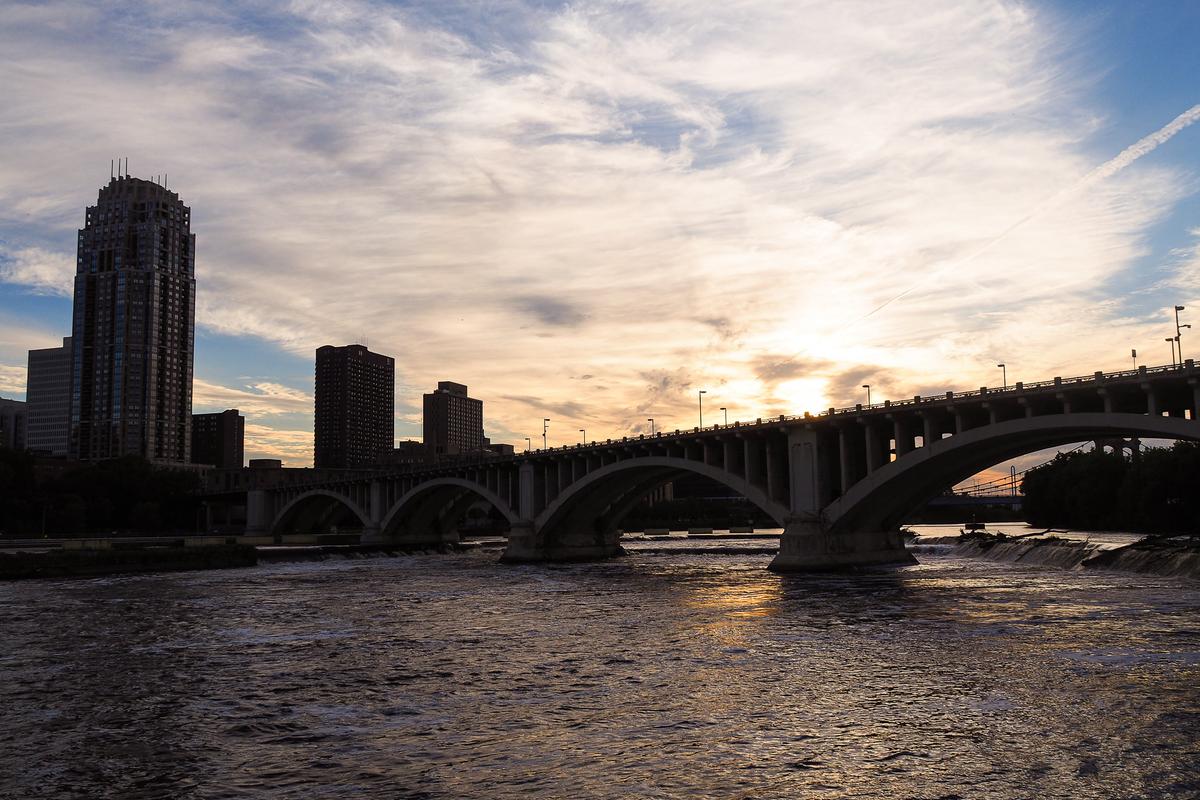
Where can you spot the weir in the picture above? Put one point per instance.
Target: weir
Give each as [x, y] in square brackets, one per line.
[839, 483]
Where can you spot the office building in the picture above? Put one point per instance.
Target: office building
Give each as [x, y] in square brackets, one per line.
[453, 422]
[132, 346]
[48, 400]
[219, 439]
[355, 417]
[12, 424]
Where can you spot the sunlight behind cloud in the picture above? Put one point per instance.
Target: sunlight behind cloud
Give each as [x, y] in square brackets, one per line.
[662, 195]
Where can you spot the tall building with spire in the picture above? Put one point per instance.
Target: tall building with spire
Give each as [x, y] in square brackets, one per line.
[132, 332]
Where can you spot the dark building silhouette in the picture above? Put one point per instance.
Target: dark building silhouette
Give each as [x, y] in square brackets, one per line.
[355, 417]
[219, 439]
[12, 424]
[406, 454]
[132, 334]
[48, 400]
[453, 422]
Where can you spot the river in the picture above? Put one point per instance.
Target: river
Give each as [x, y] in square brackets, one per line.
[661, 675]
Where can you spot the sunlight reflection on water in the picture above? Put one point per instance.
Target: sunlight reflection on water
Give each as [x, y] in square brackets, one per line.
[656, 675]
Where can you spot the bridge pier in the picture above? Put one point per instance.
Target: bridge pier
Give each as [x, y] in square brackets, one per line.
[527, 546]
[807, 547]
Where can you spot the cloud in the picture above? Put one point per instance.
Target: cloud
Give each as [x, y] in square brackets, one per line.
[551, 311]
[43, 271]
[668, 196]
[294, 448]
[12, 379]
[255, 399]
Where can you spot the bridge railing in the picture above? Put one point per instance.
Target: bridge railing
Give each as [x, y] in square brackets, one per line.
[1015, 390]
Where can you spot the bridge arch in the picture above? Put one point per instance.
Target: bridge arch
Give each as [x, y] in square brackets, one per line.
[431, 510]
[595, 503]
[318, 510]
[883, 499]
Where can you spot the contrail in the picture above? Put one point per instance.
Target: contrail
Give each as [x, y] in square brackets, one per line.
[1109, 168]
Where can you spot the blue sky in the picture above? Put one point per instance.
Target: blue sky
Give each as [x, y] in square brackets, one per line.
[589, 210]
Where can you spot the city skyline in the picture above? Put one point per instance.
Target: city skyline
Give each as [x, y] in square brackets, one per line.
[590, 213]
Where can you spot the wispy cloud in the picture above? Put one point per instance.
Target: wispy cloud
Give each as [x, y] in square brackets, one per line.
[668, 196]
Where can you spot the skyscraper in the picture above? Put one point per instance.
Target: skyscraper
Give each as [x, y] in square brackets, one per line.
[355, 412]
[219, 439]
[452, 421]
[48, 399]
[135, 289]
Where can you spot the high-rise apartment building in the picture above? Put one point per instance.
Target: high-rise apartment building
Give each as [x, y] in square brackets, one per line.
[219, 439]
[355, 410]
[132, 336]
[48, 400]
[453, 422]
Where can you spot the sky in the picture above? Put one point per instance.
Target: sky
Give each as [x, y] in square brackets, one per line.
[589, 211]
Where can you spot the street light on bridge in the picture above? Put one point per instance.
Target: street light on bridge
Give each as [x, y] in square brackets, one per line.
[584, 432]
[651, 421]
[700, 396]
[1171, 339]
[528, 444]
[726, 412]
[1004, 374]
[545, 427]
[1178, 331]
[867, 386]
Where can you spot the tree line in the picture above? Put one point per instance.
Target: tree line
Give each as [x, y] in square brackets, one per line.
[1157, 491]
[121, 495]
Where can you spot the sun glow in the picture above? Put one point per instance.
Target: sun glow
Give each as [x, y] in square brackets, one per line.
[803, 394]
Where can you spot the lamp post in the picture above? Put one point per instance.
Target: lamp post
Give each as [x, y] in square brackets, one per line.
[1178, 331]
[545, 427]
[651, 421]
[1004, 374]
[867, 386]
[1171, 339]
[725, 411]
[584, 432]
[1012, 472]
[700, 396]
[1133, 355]
[528, 444]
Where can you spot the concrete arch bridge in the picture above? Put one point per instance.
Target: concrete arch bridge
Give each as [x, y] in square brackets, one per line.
[839, 483]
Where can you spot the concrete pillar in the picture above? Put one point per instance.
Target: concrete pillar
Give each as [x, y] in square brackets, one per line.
[1066, 401]
[930, 434]
[732, 457]
[808, 474]
[959, 424]
[845, 467]
[773, 476]
[900, 432]
[526, 509]
[258, 513]
[375, 512]
[993, 414]
[872, 439]
[1106, 396]
[1151, 399]
[754, 465]
[1195, 384]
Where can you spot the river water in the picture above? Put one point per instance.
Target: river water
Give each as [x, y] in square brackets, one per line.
[661, 675]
